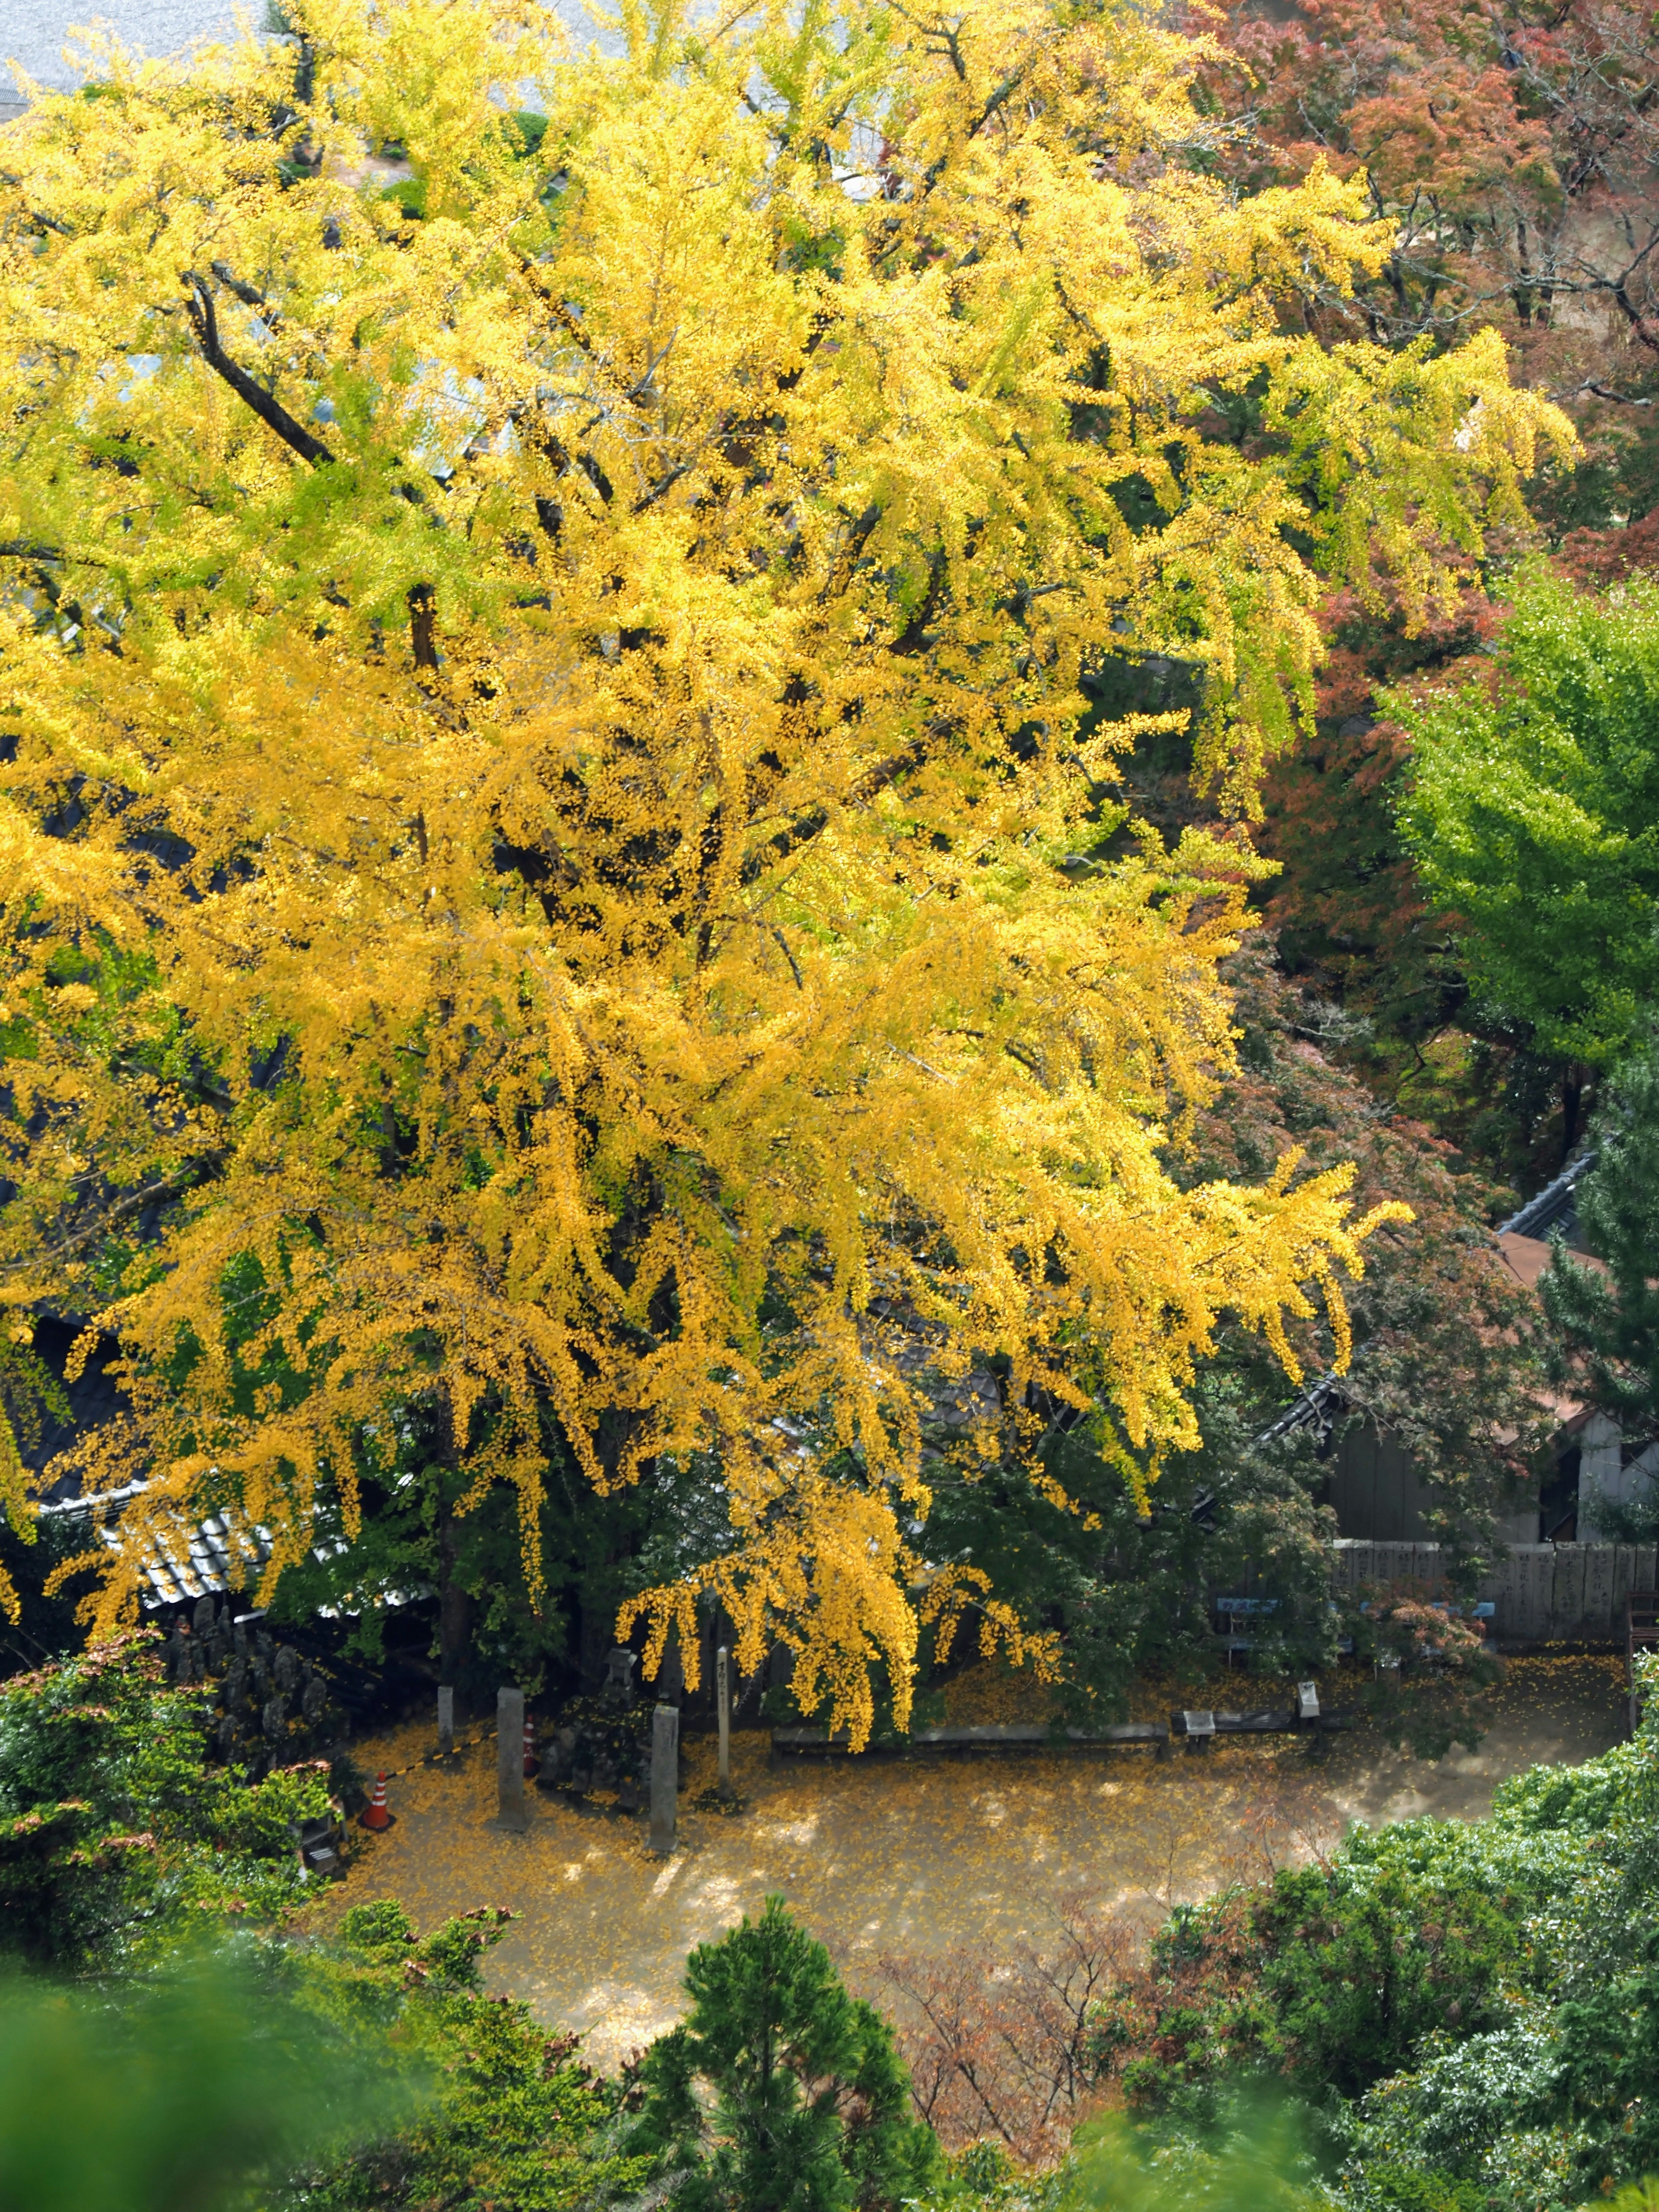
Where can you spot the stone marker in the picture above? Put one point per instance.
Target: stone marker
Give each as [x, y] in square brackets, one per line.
[509, 1759]
[619, 1676]
[446, 1719]
[723, 1689]
[665, 1776]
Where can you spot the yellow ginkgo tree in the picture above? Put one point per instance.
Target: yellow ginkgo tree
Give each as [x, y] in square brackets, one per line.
[561, 878]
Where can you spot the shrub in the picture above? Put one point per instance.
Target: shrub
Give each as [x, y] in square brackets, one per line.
[115, 1836]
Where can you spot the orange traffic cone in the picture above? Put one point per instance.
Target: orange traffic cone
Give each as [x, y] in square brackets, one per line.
[374, 1815]
[532, 1763]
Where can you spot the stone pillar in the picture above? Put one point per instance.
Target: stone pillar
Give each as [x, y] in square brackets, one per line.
[665, 1776]
[509, 1759]
[446, 1720]
[723, 1692]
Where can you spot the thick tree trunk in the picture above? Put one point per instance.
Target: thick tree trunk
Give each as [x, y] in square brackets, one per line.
[455, 1607]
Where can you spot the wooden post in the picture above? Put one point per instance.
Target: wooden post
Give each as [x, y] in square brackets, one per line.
[665, 1776]
[445, 1721]
[509, 1759]
[723, 1690]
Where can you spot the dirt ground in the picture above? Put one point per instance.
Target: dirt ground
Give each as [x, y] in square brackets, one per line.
[910, 1855]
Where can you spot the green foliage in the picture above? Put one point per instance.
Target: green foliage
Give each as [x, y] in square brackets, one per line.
[168, 2095]
[115, 1839]
[1333, 1977]
[1359, 928]
[488, 2113]
[1568, 1801]
[1258, 2163]
[1640, 2196]
[779, 2091]
[1533, 810]
[1433, 1690]
[1328, 1977]
[1356, 1980]
[162, 2100]
[1606, 1320]
[1408, 2188]
[984, 2179]
[1469, 2014]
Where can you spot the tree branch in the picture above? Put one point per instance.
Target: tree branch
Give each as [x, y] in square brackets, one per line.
[172, 1185]
[204, 321]
[247, 294]
[806, 827]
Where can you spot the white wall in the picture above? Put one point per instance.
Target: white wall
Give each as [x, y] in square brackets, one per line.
[1604, 1473]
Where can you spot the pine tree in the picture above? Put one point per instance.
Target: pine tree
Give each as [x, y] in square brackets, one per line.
[779, 2091]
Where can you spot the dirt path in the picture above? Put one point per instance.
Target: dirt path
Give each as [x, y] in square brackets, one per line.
[888, 1855]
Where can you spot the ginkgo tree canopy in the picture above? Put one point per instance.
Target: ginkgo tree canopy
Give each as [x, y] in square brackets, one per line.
[556, 863]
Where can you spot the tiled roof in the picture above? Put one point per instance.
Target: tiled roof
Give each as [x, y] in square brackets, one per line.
[1313, 1409]
[187, 1560]
[1554, 1207]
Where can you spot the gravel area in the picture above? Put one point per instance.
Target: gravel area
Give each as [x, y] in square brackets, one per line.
[880, 1855]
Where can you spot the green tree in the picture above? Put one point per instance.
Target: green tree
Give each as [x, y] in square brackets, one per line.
[1329, 1978]
[1532, 809]
[779, 2091]
[1607, 1318]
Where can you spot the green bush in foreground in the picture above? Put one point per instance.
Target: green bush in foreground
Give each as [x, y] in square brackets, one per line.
[482, 2110]
[779, 2091]
[168, 2093]
[1467, 2013]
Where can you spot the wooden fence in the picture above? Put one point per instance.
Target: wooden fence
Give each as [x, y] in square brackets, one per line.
[1542, 1592]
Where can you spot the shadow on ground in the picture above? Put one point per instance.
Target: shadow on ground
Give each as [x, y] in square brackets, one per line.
[913, 1855]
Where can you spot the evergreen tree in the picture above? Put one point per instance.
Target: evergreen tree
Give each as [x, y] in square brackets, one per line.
[1607, 1319]
[779, 2091]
